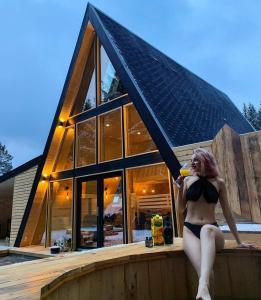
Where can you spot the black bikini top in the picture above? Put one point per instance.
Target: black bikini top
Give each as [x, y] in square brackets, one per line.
[202, 186]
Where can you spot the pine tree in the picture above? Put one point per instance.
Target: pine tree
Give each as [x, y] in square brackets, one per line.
[5, 160]
[252, 115]
[258, 127]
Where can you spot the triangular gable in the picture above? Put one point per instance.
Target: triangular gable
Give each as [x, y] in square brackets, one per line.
[35, 203]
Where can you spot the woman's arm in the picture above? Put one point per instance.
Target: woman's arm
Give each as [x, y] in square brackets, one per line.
[229, 217]
[181, 202]
[227, 211]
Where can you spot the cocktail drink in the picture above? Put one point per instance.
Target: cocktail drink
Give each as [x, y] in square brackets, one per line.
[185, 170]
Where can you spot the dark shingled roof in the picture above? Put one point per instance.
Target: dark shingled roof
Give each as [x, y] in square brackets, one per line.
[188, 108]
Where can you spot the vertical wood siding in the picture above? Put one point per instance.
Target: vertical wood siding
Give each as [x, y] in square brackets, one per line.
[22, 188]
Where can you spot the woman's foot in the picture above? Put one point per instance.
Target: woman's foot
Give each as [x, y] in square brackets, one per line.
[203, 292]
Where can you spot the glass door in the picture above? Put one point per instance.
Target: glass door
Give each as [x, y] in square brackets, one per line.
[88, 214]
[100, 211]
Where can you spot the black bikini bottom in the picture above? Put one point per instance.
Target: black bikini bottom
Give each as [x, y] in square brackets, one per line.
[195, 228]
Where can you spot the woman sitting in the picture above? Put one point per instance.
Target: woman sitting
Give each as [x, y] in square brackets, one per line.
[202, 237]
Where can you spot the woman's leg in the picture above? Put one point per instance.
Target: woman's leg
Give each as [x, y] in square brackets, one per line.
[192, 248]
[212, 240]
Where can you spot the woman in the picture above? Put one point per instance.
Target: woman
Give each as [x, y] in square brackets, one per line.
[202, 237]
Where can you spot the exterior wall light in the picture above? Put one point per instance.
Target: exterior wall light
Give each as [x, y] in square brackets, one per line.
[44, 178]
[61, 123]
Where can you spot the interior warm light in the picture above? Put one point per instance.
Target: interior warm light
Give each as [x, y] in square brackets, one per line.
[67, 192]
[138, 133]
[144, 191]
[107, 125]
[153, 191]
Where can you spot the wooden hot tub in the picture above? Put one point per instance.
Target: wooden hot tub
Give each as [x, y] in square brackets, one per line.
[135, 272]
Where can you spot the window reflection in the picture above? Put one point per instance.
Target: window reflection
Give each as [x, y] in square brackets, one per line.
[111, 85]
[148, 194]
[112, 216]
[86, 143]
[88, 229]
[110, 135]
[60, 212]
[138, 139]
[86, 98]
[65, 156]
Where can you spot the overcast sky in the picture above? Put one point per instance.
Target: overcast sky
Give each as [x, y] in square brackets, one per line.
[219, 40]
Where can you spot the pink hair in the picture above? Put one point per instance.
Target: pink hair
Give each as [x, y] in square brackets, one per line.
[209, 166]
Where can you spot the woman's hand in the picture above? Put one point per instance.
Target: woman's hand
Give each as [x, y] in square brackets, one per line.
[247, 246]
[180, 182]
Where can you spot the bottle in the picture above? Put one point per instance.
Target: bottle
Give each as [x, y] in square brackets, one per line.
[168, 232]
[157, 230]
[149, 242]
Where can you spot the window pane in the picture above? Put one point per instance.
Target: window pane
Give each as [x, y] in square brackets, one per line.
[148, 194]
[88, 230]
[110, 135]
[65, 157]
[90, 100]
[111, 86]
[86, 143]
[113, 217]
[60, 211]
[86, 98]
[138, 139]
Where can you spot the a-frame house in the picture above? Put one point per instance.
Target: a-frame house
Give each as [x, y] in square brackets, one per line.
[108, 161]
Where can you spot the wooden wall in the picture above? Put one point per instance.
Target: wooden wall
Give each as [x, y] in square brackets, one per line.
[239, 161]
[22, 188]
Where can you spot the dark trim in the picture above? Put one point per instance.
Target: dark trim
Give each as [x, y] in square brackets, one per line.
[113, 104]
[154, 127]
[130, 162]
[26, 166]
[124, 206]
[174, 217]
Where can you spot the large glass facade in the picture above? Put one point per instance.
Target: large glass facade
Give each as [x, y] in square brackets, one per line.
[65, 157]
[138, 139]
[60, 212]
[148, 194]
[110, 135]
[86, 143]
[111, 85]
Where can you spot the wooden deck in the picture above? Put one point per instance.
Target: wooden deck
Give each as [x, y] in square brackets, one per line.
[25, 280]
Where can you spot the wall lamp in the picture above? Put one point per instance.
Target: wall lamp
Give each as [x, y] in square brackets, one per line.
[44, 178]
[61, 123]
